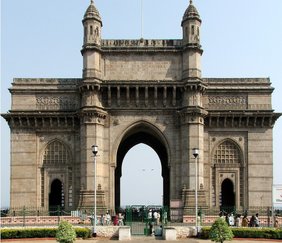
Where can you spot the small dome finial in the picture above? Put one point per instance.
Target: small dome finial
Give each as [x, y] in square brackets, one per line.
[191, 1]
[92, 2]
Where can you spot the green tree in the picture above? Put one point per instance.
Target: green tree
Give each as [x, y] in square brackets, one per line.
[220, 231]
[66, 233]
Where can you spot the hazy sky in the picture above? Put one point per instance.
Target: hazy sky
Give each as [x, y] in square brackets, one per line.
[43, 39]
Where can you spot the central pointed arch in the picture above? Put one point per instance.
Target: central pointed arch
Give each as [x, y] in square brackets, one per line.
[144, 132]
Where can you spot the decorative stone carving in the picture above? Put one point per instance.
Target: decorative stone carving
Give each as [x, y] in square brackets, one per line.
[227, 102]
[97, 36]
[141, 42]
[56, 103]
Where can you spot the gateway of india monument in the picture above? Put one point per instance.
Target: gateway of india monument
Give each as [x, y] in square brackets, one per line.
[147, 91]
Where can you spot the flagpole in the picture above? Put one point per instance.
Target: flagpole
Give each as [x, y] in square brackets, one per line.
[141, 19]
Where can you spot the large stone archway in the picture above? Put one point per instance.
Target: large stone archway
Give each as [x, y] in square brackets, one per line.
[125, 83]
[142, 134]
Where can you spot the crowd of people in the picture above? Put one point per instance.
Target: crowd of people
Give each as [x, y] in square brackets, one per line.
[107, 219]
[156, 217]
[153, 217]
[245, 221]
[241, 221]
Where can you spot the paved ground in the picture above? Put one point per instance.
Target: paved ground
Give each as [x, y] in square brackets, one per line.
[139, 240]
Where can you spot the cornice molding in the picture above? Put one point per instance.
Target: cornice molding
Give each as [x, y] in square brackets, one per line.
[241, 119]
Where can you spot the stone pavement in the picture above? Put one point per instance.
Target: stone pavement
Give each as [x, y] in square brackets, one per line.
[141, 239]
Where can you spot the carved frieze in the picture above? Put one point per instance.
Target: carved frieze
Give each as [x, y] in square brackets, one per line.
[56, 103]
[140, 43]
[233, 102]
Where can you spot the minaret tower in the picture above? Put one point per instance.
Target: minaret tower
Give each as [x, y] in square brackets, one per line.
[91, 49]
[92, 113]
[191, 24]
[193, 112]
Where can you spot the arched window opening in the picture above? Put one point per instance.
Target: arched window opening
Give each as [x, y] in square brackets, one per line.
[141, 181]
[56, 153]
[193, 29]
[227, 153]
[85, 33]
[91, 30]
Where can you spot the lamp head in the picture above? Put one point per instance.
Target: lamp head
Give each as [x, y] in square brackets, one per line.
[94, 149]
[195, 152]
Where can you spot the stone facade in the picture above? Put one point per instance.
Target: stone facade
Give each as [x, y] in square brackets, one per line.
[141, 91]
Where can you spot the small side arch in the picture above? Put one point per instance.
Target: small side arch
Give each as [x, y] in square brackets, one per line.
[56, 195]
[56, 174]
[227, 194]
[228, 166]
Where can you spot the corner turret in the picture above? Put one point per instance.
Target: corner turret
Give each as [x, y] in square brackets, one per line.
[92, 25]
[91, 51]
[191, 24]
[192, 51]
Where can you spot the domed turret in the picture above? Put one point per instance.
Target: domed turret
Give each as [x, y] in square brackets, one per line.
[91, 49]
[92, 13]
[92, 25]
[192, 52]
[191, 24]
[191, 13]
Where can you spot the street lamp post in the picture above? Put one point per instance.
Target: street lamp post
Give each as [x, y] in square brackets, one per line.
[95, 151]
[196, 154]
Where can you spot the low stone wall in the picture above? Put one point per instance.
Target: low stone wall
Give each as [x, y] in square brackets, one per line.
[41, 220]
[113, 231]
[53, 220]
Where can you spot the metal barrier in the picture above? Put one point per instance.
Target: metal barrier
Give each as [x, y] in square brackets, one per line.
[145, 220]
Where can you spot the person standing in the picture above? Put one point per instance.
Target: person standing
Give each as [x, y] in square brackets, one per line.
[238, 221]
[102, 219]
[252, 221]
[164, 220]
[276, 222]
[150, 215]
[155, 214]
[116, 220]
[256, 220]
[108, 218]
[245, 221]
[120, 219]
[231, 220]
[158, 218]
